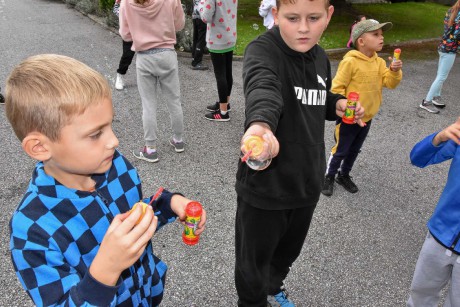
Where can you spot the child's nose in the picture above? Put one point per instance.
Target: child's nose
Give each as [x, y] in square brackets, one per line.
[113, 141]
[304, 27]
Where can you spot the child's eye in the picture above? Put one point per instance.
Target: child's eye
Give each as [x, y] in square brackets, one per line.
[292, 19]
[314, 18]
[96, 135]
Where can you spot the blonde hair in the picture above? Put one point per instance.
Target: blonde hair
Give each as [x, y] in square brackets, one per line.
[279, 2]
[453, 13]
[45, 91]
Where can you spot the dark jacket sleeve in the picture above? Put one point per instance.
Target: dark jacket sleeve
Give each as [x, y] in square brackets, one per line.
[162, 208]
[262, 87]
[331, 99]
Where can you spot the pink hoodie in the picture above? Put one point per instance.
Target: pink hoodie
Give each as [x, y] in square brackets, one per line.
[152, 25]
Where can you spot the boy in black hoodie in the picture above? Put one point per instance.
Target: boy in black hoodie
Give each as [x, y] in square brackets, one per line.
[287, 78]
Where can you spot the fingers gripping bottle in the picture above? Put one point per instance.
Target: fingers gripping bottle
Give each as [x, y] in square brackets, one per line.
[193, 212]
[349, 115]
[396, 54]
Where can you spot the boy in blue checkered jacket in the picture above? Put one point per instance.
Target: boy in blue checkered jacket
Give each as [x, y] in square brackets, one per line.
[73, 241]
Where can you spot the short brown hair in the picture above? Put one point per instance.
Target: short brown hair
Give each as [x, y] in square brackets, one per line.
[279, 2]
[45, 91]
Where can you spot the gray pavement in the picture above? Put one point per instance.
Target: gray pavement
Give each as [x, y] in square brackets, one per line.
[361, 249]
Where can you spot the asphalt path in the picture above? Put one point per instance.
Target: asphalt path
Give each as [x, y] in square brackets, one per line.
[361, 249]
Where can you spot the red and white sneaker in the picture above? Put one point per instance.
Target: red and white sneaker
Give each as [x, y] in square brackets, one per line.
[217, 116]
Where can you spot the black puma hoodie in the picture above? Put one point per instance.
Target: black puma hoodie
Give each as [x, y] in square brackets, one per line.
[289, 91]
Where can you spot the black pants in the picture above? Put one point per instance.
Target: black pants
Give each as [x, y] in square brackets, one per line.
[348, 142]
[267, 242]
[126, 58]
[199, 41]
[222, 63]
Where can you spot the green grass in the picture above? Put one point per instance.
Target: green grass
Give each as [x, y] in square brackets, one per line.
[411, 20]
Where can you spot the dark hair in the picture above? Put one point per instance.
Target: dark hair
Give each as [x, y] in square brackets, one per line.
[358, 19]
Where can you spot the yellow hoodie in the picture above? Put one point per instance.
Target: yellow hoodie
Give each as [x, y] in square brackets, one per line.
[367, 76]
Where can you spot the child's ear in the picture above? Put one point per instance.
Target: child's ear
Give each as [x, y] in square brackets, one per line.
[275, 14]
[34, 144]
[330, 11]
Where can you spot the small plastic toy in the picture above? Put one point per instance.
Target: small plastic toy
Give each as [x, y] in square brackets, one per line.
[193, 212]
[144, 207]
[256, 152]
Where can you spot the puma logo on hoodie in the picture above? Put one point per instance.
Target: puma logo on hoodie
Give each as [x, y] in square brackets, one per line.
[311, 97]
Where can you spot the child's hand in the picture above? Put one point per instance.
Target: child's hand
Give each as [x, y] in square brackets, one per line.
[396, 65]
[341, 106]
[123, 243]
[450, 133]
[178, 204]
[264, 131]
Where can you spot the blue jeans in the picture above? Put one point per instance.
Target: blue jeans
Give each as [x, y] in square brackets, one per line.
[446, 61]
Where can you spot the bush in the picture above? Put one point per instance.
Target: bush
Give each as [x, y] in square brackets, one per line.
[106, 5]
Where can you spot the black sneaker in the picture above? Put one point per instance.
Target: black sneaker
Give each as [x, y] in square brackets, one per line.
[217, 116]
[216, 107]
[347, 183]
[2, 99]
[200, 66]
[328, 187]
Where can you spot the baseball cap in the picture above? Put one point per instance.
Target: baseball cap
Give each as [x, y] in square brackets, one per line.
[368, 25]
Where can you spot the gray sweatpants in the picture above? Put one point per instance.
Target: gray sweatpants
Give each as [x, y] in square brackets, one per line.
[159, 71]
[436, 267]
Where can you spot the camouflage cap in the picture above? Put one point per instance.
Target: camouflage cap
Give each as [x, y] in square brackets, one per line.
[368, 25]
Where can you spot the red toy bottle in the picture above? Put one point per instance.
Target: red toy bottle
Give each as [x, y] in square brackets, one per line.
[396, 54]
[193, 213]
[349, 115]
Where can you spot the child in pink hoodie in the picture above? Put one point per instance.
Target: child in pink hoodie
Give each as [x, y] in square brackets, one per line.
[151, 26]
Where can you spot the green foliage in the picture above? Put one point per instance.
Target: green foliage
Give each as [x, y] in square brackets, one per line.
[106, 5]
[188, 6]
[249, 24]
[411, 20]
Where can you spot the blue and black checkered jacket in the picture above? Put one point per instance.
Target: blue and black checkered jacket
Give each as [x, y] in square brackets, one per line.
[56, 233]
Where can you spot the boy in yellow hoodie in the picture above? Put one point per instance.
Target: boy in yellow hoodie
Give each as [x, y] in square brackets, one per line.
[361, 71]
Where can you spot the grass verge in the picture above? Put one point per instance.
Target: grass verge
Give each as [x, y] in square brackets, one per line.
[411, 21]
